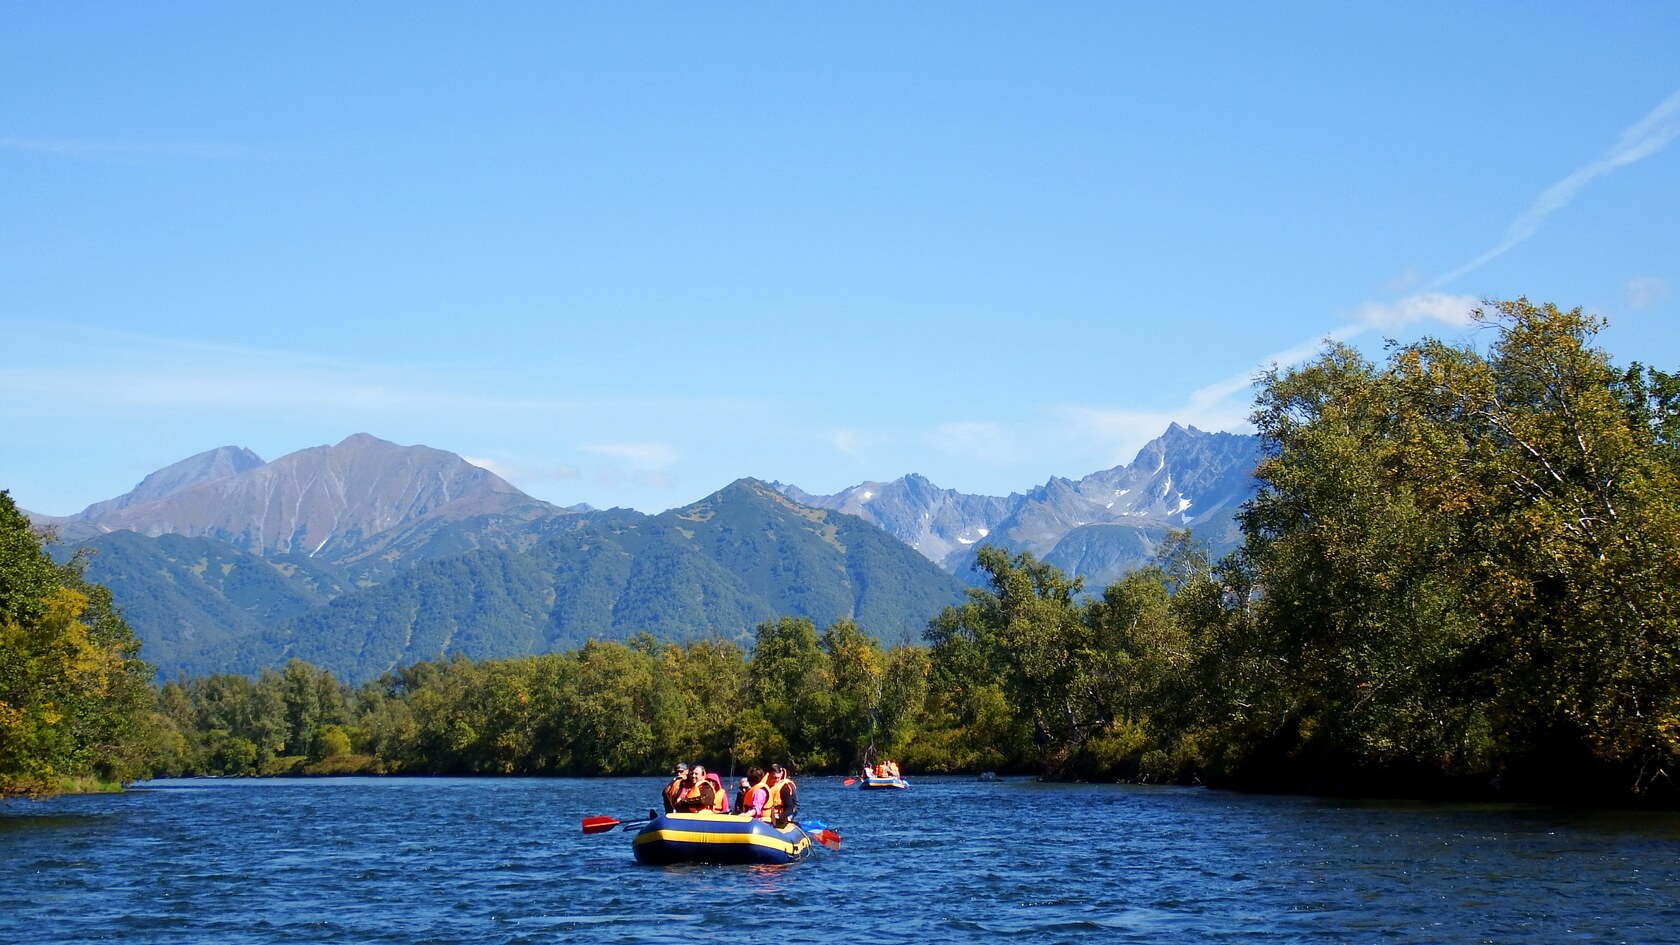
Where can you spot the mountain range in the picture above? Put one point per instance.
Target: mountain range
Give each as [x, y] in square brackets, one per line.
[366, 555]
[1098, 527]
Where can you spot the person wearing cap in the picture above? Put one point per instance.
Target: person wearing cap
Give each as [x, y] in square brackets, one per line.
[743, 796]
[679, 781]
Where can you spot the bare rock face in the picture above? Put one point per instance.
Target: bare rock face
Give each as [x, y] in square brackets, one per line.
[1097, 527]
[936, 522]
[325, 500]
[219, 463]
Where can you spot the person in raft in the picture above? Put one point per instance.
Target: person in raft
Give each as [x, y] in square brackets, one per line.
[674, 789]
[697, 795]
[753, 793]
[720, 797]
[782, 801]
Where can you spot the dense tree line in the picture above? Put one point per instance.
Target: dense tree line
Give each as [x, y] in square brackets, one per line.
[814, 700]
[1460, 575]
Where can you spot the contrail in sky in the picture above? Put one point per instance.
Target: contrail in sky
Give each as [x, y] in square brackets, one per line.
[1650, 135]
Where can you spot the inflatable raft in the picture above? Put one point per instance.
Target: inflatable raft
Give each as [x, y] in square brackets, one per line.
[718, 838]
[879, 784]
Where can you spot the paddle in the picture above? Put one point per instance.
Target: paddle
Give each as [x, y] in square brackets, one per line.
[604, 824]
[819, 832]
[848, 782]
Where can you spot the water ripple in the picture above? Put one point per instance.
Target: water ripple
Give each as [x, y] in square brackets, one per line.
[951, 860]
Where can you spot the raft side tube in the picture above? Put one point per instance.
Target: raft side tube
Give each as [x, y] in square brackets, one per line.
[718, 838]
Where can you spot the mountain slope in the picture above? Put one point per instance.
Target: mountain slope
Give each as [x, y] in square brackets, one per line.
[175, 478]
[719, 567]
[934, 521]
[366, 555]
[326, 501]
[1098, 527]
[219, 463]
[185, 595]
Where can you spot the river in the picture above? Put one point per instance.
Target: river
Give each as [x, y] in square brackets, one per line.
[956, 860]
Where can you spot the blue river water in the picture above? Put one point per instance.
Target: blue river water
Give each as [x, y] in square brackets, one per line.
[951, 860]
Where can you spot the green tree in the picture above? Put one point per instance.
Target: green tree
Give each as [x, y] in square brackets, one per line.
[609, 715]
[703, 689]
[313, 699]
[334, 741]
[74, 698]
[1466, 563]
[784, 717]
[905, 690]
[850, 699]
[1024, 637]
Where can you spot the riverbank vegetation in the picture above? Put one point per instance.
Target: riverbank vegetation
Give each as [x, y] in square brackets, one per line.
[74, 697]
[1460, 577]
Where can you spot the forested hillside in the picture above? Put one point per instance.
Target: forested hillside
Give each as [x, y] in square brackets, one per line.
[717, 568]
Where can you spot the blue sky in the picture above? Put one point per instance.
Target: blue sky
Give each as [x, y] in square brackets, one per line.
[625, 254]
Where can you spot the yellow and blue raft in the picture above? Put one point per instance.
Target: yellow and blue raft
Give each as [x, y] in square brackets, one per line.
[718, 838]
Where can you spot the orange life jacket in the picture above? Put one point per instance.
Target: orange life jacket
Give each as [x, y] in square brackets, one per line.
[773, 806]
[720, 797]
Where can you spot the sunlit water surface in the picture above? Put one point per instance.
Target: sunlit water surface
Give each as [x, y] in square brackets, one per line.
[950, 860]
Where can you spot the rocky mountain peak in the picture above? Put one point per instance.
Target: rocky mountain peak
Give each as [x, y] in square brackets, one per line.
[322, 499]
[175, 478]
[1110, 520]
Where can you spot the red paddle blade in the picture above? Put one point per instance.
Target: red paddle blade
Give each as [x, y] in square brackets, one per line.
[598, 824]
[848, 782]
[829, 839]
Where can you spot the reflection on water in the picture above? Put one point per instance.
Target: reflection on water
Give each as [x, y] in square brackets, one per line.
[951, 860]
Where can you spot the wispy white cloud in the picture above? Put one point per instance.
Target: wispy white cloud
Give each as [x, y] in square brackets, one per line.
[139, 370]
[1118, 432]
[849, 442]
[1645, 138]
[1404, 282]
[1451, 310]
[1226, 403]
[1645, 292]
[641, 455]
[490, 465]
[526, 475]
[992, 442]
[84, 148]
[615, 477]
